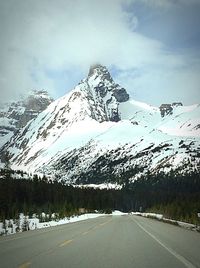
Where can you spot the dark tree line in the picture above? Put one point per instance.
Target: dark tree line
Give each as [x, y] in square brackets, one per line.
[37, 195]
[173, 195]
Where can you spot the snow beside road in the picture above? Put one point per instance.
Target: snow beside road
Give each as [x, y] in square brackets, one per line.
[161, 218]
[24, 223]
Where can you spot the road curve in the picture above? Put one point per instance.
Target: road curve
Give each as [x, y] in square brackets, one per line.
[104, 242]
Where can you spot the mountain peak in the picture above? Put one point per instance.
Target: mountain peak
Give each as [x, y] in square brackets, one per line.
[98, 70]
[104, 83]
[42, 93]
[95, 67]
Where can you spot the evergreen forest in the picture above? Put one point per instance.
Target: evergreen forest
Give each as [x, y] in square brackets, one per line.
[176, 197]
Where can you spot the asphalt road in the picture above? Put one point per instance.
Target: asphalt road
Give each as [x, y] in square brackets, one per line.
[108, 241]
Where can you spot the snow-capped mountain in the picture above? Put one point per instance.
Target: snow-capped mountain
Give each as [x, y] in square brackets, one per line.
[16, 115]
[97, 134]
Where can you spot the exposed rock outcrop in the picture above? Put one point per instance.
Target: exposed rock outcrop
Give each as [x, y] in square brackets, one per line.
[166, 109]
[16, 115]
[121, 95]
[176, 104]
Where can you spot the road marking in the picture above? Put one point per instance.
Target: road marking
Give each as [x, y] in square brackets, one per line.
[66, 242]
[101, 224]
[187, 263]
[25, 265]
[85, 233]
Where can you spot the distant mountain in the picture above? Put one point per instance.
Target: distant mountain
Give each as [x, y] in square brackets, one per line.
[15, 115]
[96, 134]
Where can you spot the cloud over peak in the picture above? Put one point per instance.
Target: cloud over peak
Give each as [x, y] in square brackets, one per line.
[42, 41]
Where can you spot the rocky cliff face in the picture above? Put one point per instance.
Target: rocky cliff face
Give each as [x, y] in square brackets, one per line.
[103, 94]
[16, 115]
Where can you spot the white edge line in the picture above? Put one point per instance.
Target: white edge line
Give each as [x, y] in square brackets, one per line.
[174, 253]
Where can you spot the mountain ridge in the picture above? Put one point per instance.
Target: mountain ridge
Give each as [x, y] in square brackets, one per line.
[96, 133]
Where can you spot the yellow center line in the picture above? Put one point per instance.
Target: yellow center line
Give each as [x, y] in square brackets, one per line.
[50, 251]
[101, 224]
[65, 243]
[96, 227]
[85, 233]
[25, 265]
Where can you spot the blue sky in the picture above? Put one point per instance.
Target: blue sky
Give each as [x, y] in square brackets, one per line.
[175, 26]
[151, 47]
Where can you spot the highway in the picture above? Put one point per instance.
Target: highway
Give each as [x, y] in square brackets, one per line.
[107, 241]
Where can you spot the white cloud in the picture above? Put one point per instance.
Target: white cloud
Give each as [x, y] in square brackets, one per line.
[38, 36]
[166, 85]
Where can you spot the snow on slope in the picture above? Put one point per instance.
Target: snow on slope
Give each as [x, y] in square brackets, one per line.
[96, 131]
[125, 148]
[185, 121]
[139, 113]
